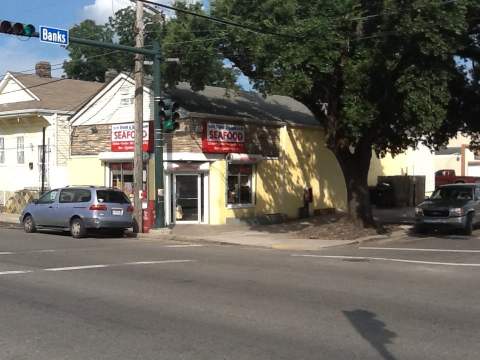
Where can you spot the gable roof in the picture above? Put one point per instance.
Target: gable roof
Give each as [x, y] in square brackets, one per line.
[55, 94]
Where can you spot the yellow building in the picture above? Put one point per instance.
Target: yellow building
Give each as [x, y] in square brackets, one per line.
[236, 155]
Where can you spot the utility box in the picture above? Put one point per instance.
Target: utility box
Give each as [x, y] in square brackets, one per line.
[407, 190]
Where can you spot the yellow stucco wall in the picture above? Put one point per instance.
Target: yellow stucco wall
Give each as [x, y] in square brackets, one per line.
[86, 171]
[279, 183]
[418, 162]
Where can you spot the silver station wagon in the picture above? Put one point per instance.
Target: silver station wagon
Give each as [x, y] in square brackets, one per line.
[79, 209]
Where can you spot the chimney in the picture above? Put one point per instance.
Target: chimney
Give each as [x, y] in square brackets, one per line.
[43, 69]
[110, 74]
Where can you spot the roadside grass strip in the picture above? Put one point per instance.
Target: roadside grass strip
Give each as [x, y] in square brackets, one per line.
[369, 258]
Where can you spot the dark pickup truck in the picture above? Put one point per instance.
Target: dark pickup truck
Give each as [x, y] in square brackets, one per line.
[444, 177]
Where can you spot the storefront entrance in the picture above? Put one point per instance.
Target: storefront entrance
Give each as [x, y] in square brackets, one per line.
[187, 199]
[122, 177]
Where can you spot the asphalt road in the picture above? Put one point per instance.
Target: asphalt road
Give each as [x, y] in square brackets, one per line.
[108, 298]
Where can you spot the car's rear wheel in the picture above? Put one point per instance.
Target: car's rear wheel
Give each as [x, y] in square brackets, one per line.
[77, 228]
[29, 224]
[467, 230]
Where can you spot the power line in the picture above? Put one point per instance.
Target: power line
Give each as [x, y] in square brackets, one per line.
[391, 12]
[220, 20]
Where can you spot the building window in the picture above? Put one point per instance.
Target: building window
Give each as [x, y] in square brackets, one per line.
[239, 184]
[20, 150]
[2, 150]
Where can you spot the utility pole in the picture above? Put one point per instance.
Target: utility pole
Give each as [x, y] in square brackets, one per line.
[138, 154]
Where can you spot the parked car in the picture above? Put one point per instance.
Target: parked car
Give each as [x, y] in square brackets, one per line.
[79, 209]
[448, 176]
[455, 206]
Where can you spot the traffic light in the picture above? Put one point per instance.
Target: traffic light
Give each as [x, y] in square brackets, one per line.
[169, 115]
[20, 29]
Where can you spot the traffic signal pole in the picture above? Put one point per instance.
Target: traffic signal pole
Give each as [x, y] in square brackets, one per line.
[158, 134]
[159, 193]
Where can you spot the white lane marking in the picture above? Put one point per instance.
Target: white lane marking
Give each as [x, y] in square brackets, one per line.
[424, 250]
[184, 245]
[86, 267]
[15, 272]
[341, 257]
[69, 268]
[156, 262]
[84, 249]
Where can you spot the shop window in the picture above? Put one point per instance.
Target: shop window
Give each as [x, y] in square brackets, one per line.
[20, 150]
[122, 177]
[2, 150]
[239, 184]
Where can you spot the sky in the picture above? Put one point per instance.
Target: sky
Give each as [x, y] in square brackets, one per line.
[20, 54]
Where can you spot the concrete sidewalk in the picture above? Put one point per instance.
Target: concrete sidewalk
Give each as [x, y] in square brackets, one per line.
[10, 219]
[240, 234]
[283, 236]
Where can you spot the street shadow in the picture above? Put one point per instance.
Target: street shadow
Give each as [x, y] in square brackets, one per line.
[439, 233]
[372, 330]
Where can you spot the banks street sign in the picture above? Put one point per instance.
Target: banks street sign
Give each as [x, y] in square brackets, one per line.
[53, 35]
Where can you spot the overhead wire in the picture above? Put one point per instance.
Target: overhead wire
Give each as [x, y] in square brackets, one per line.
[220, 20]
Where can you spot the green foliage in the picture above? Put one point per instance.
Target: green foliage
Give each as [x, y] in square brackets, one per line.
[201, 63]
[384, 67]
[98, 61]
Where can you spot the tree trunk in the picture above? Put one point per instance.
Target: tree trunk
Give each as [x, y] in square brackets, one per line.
[355, 167]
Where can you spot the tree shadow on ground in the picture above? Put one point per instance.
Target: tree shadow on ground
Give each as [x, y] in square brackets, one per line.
[373, 330]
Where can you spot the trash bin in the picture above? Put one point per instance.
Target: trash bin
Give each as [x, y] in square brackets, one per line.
[385, 194]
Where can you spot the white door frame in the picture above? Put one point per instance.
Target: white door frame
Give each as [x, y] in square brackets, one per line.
[199, 199]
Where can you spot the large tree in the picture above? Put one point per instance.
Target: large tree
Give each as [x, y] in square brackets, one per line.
[379, 75]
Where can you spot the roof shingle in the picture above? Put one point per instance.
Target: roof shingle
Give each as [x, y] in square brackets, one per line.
[56, 94]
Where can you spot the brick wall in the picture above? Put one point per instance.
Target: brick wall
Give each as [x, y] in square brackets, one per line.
[90, 139]
[93, 139]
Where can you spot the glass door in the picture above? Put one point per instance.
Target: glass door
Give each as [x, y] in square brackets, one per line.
[186, 198]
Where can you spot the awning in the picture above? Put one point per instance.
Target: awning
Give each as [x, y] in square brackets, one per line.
[236, 158]
[187, 167]
[115, 156]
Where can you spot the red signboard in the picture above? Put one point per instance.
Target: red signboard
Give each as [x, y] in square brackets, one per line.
[223, 138]
[123, 137]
